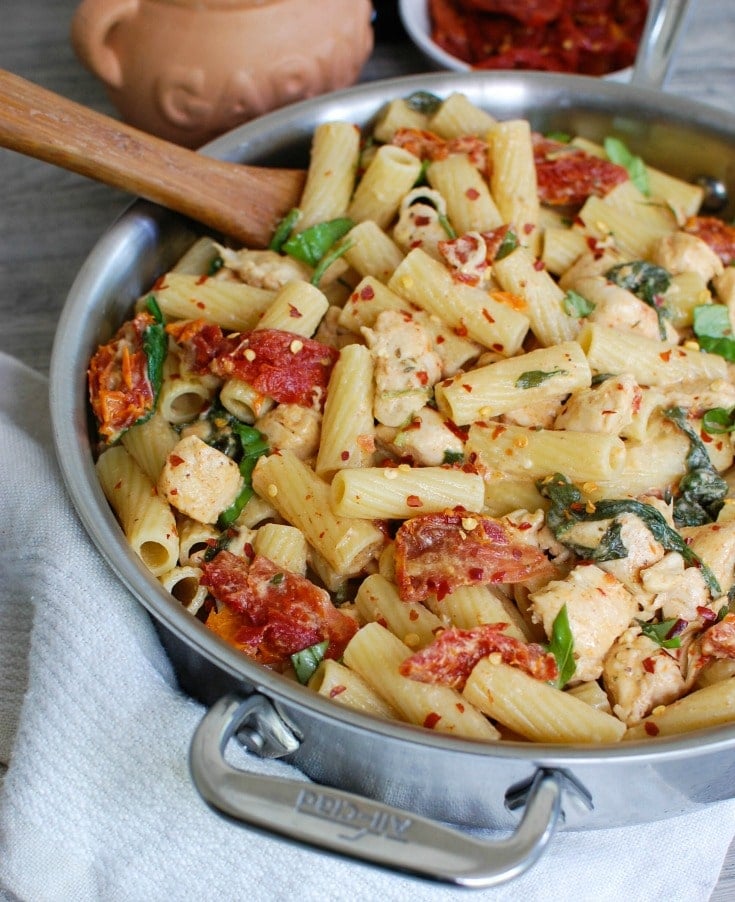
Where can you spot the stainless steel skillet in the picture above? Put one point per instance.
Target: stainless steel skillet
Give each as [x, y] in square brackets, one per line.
[409, 769]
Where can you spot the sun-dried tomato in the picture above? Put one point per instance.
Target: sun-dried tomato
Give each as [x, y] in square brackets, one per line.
[270, 613]
[451, 657]
[719, 235]
[568, 175]
[281, 365]
[437, 553]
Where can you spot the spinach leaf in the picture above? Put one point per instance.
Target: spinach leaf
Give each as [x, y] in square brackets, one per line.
[713, 330]
[568, 508]
[562, 647]
[617, 152]
[534, 378]
[423, 102]
[306, 661]
[155, 348]
[702, 490]
[646, 281]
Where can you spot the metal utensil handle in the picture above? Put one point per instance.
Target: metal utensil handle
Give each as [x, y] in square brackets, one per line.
[350, 825]
[663, 29]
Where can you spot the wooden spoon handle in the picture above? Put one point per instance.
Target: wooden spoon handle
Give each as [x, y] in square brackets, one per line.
[244, 202]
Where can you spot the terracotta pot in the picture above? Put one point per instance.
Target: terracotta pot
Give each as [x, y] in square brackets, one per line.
[188, 70]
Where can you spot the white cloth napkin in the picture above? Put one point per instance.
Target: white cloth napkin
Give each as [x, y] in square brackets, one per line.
[97, 803]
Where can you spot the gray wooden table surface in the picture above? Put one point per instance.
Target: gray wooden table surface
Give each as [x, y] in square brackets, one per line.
[50, 219]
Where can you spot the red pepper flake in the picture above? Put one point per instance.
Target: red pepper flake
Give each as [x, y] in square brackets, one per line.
[367, 293]
[175, 460]
[460, 707]
[431, 720]
[665, 356]
[538, 265]
[467, 388]
[649, 664]
[497, 347]
[414, 501]
[422, 220]
[497, 432]
[160, 283]
[337, 690]
[413, 614]
[706, 614]
[201, 305]
[461, 330]
[202, 279]
[476, 573]
[345, 455]
[525, 525]
[487, 316]
[528, 227]
[249, 550]
[651, 728]
[440, 339]
[294, 312]
[472, 194]
[423, 377]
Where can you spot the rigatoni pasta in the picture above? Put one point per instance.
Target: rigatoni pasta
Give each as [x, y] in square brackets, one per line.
[456, 450]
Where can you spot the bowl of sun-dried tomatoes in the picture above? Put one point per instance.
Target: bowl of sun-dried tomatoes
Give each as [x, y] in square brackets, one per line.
[586, 37]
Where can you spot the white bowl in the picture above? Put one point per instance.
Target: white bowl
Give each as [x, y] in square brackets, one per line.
[415, 18]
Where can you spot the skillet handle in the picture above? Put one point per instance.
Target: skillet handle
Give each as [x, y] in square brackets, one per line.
[350, 825]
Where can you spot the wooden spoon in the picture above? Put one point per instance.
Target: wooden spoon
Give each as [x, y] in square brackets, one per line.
[244, 202]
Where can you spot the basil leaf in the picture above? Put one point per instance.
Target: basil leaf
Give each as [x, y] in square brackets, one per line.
[561, 647]
[713, 330]
[328, 259]
[568, 507]
[561, 137]
[661, 632]
[306, 661]
[719, 420]
[576, 305]
[534, 378]
[253, 445]
[617, 152]
[646, 281]
[313, 243]
[507, 245]
[284, 229]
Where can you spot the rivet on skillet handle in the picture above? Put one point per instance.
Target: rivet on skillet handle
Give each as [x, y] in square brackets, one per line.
[350, 825]
[664, 27]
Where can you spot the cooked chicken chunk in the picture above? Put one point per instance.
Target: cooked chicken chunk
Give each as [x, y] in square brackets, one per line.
[639, 675]
[680, 252]
[599, 609]
[419, 223]
[679, 591]
[619, 308]
[263, 269]
[290, 427]
[606, 408]
[426, 440]
[199, 480]
[406, 366]
[714, 543]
